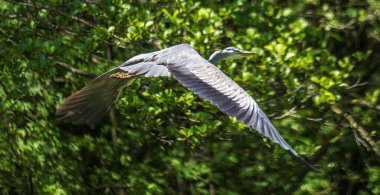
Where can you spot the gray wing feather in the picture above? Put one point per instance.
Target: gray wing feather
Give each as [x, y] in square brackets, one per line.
[209, 82]
[148, 69]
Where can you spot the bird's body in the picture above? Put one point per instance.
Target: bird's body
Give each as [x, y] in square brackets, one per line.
[92, 102]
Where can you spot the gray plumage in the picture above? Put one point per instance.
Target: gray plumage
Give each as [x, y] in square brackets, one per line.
[91, 103]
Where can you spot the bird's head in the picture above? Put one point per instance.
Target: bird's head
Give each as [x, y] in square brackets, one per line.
[235, 53]
[229, 53]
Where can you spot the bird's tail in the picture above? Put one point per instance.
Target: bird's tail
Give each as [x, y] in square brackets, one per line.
[91, 103]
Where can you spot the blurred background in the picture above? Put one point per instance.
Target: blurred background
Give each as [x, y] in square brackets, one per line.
[317, 76]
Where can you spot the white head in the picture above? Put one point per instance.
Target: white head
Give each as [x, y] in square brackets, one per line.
[229, 53]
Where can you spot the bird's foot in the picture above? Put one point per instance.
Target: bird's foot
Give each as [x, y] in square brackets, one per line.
[121, 75]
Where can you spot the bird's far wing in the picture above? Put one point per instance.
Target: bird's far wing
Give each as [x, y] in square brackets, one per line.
[207, 81]
[91, 103]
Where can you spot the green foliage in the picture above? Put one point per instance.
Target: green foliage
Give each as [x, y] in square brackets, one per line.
[317, 77]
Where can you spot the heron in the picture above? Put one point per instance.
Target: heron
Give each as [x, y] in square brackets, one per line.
[188, 67]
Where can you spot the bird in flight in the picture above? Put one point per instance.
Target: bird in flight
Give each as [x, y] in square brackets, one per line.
[91, 103]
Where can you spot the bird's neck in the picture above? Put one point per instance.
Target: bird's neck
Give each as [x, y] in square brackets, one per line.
[216, 57]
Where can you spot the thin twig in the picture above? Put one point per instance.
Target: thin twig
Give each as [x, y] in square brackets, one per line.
[347, 25]
[364, 102]
[76, 71]
[357, 84]
[288, 113]
[161, 139]
[96, 59]
[312, 119]
[369, 104]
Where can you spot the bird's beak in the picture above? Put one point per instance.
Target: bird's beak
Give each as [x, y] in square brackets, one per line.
[247, 53]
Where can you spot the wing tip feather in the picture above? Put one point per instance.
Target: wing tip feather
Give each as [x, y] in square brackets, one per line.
[302, 160]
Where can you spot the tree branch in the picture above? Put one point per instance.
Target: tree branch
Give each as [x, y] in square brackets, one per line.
[362, 132]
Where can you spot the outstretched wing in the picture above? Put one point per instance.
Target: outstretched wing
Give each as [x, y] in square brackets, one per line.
[207, 81]
[92, 102]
